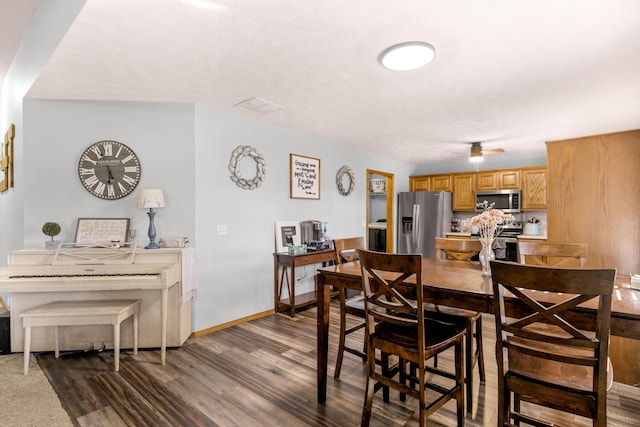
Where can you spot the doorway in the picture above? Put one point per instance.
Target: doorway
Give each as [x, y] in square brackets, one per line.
[380, 196]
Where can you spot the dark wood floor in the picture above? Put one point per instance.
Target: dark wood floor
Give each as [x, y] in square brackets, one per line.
[260, 373]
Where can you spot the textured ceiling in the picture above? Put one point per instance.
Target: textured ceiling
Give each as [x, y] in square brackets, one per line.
[511, 74]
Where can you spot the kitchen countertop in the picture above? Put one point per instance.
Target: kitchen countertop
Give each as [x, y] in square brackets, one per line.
[521, 236]
[533, 236]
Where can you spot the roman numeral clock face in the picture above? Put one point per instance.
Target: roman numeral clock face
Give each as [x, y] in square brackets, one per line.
[109, 170]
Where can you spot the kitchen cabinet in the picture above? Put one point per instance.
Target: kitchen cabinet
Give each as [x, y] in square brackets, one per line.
[463, 192]
[419, 183]
[532, 181]
[508, 180]
[498, 180]
[487, 180]
[534, 189]
[440, 183]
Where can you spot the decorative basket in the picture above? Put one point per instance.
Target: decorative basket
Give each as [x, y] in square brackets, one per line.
[378, 185]
[174, 242]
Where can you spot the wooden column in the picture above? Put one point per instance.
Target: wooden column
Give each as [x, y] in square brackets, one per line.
[594, 197]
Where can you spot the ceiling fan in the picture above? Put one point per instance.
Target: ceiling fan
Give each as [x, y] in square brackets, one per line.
[477, 152]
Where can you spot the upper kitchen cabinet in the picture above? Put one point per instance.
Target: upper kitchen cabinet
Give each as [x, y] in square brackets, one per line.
[532, 181]
[534, 188]
[440, 183]
[463, 192]
[419, 183]
[487, 180]
[498, 180]
[509, 179]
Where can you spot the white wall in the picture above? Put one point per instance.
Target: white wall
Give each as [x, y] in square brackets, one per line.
[238, 267]
[185, 150]
[56, 134]
[48, 25]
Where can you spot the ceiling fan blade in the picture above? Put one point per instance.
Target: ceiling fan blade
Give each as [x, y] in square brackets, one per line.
[493, 151]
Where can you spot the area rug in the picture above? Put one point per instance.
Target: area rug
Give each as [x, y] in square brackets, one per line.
[28, 400]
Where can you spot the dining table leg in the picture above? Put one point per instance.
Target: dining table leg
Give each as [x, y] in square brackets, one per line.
[323, 336]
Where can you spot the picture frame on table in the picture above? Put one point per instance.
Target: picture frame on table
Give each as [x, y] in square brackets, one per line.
[287, 233]
[101, 230]
[304, 177]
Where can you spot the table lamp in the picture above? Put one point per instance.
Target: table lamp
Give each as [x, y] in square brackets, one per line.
[151, 199]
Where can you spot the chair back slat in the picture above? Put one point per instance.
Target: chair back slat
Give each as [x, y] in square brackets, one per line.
[347, 249]
[456, 249]
[553, 254]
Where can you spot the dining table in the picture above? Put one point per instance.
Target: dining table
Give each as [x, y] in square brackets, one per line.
[460, 284]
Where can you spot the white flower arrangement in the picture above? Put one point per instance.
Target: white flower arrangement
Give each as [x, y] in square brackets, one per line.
[490, 222]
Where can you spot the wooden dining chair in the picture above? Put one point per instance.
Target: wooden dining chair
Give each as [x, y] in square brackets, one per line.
[396, 325]
[547, 353]
[347, 251]
[448, 250]
[553, 254]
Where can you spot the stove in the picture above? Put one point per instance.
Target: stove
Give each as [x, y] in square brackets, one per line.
[510, 235]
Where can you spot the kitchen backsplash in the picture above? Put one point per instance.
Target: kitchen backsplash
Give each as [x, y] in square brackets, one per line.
[541, 216]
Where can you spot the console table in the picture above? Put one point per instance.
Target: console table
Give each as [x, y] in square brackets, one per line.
[289, 263]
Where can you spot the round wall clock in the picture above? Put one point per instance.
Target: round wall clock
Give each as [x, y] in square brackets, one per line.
[109, 170]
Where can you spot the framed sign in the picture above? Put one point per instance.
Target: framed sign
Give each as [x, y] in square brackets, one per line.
[305, 177]
[287, 233]
[100, 230]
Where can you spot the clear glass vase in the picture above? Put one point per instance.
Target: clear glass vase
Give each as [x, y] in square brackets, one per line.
[486, 254]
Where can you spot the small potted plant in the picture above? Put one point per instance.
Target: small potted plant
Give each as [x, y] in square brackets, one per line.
[51, 229]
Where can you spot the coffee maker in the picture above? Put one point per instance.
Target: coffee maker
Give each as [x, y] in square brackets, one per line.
[310, 231]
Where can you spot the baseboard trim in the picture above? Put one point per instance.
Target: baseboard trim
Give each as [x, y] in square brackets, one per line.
[229, 324]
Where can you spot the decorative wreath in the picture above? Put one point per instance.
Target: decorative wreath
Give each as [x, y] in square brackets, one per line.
[234, 162]
[352, 180]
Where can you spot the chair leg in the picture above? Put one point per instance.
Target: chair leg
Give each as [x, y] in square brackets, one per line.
[343, 327]
[368, 401]
[504, 403]
[460, 382]
[402, 368]
[516, 408]
[468, 364]
[385, 373]
[480, 349]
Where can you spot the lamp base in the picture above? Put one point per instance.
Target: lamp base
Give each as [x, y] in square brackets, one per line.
[153, 245]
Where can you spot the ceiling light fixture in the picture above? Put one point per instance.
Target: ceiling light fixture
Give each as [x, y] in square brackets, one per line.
[407, 56]
[475, 158]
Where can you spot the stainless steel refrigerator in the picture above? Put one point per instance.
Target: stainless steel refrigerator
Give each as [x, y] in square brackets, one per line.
[422, 216]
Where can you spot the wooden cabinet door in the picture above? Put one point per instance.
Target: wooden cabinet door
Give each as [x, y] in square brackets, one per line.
[509, 179]
[534, 189]
[440, 183]
[418, 183]
[486, 180]
[463, 192]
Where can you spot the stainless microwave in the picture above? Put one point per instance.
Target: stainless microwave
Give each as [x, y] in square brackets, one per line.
[507, 201]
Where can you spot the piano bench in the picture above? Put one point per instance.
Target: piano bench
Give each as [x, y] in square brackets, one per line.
[69, 313]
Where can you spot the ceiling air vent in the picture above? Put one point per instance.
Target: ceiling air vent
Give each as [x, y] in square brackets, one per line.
[258, 105]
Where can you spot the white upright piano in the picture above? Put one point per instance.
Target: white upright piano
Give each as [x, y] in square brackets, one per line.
[162, 278]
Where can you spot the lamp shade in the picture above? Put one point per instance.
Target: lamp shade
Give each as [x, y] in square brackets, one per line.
[151, 199]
